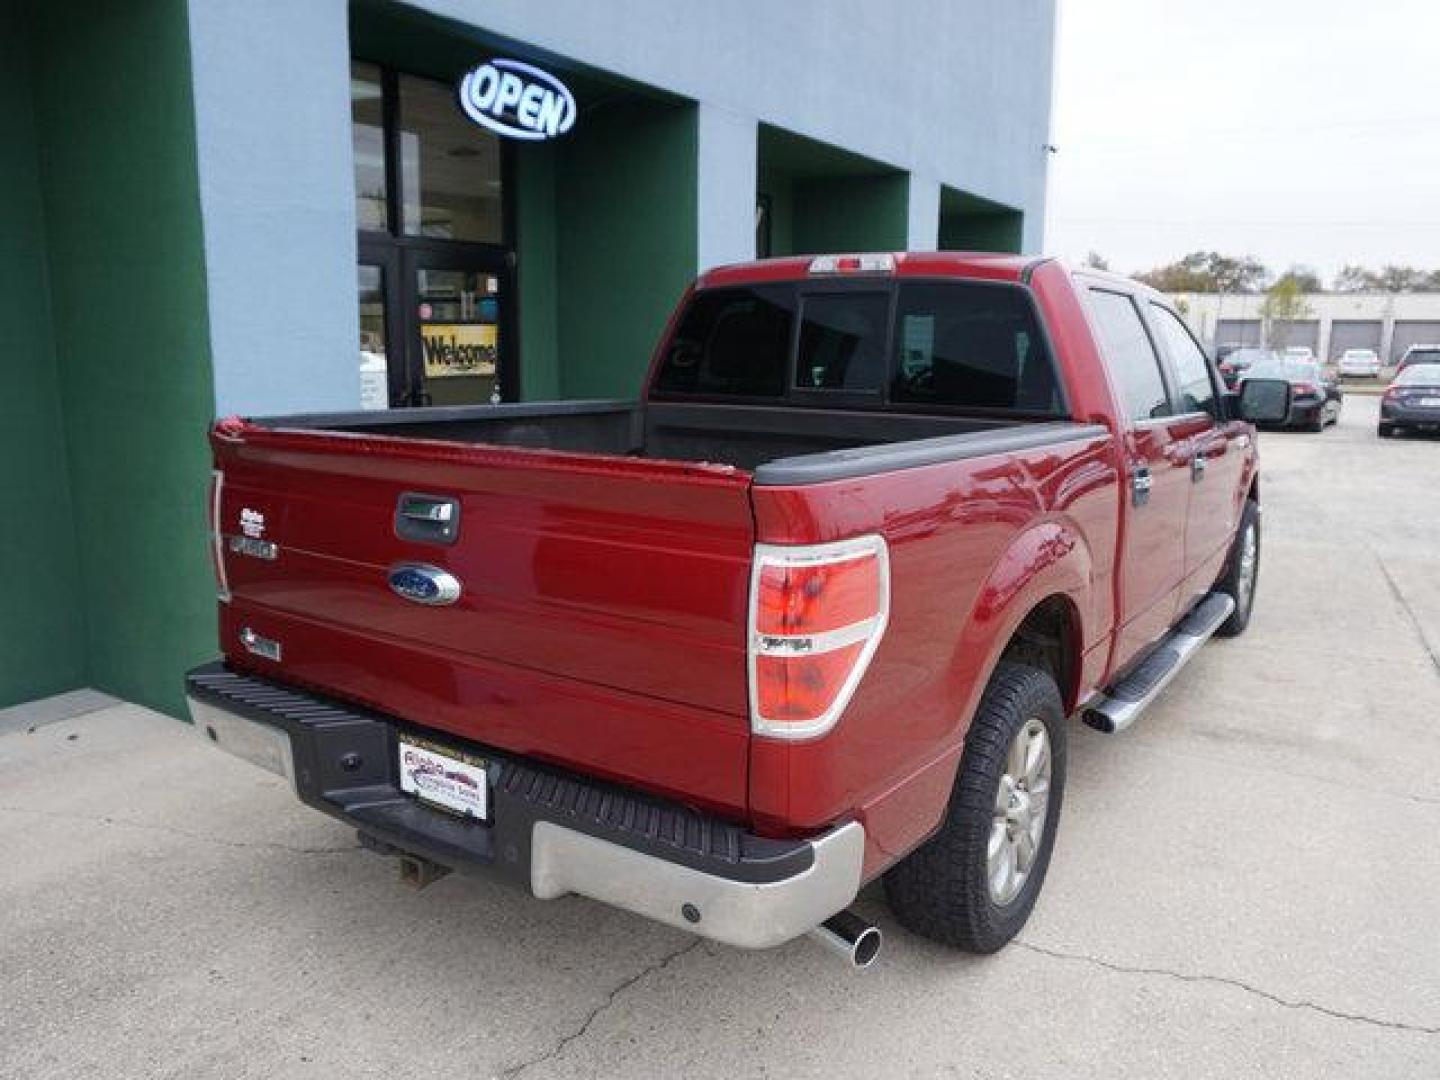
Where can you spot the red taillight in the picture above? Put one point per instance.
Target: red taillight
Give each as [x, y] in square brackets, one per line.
[1306, 388]
[217, 536]
[817, 614]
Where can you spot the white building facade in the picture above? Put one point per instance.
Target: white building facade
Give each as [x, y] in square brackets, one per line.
[1329, 324]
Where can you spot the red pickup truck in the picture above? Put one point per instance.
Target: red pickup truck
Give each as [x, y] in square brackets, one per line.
[813, 611]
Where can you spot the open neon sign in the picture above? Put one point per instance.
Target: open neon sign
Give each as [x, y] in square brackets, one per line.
[517, 100]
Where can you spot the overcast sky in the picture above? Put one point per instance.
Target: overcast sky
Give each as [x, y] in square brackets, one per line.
[1299, 131]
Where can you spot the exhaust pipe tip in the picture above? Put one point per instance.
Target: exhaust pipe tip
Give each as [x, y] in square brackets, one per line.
[856, 939]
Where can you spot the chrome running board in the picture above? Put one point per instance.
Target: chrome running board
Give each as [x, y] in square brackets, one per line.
[1115, 709]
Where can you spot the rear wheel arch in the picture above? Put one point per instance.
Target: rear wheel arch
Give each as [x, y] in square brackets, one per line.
[1050, 638]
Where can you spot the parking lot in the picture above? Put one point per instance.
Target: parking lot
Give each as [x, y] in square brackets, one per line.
[1246, 884]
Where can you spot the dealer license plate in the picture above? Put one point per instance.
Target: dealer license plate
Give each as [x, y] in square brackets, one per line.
[449, 779]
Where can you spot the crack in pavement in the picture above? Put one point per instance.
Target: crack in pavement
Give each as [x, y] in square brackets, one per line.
[1236, 984]
[146, 826]
[1404, 603]
[585, 1025]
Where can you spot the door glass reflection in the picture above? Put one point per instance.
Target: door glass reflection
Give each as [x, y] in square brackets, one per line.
[459, 316]
[374, 379]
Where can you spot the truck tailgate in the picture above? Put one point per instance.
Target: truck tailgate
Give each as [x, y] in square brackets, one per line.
[601, 618]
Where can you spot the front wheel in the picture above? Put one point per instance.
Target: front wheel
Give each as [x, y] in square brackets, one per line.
[1242, 571]
[973, 884]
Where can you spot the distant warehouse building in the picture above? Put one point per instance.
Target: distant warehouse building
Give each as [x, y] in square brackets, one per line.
[273, 206]
[1329, 323]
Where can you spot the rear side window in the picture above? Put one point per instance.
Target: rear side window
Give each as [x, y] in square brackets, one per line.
[1197, 392]
[1132, 360]
[972, 346]
[843, 342]
[731, 343]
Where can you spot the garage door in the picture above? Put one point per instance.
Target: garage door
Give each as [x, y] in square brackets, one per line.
[1413, 332]
[1300, 332]
[1237, 332]
[1353, 334]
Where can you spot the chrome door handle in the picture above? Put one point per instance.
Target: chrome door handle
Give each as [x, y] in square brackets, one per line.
[1140, 484]
[430, 519]
[1197, 467]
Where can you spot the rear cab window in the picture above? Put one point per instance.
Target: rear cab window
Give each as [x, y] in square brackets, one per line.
[915, 345]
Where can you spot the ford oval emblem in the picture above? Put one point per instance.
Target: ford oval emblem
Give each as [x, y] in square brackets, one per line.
[517, 100]
[424, 584]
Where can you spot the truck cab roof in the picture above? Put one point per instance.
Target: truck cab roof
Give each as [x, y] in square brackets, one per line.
[968, 264]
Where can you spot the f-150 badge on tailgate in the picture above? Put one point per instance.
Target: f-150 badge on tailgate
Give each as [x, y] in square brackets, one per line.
[424, 584]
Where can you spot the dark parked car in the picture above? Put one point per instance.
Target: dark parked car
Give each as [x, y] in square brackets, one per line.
[1315, 399]
[1412, 401]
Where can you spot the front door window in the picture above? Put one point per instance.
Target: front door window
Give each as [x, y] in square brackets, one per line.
[436, 279]
[458, 316]
[374, 368]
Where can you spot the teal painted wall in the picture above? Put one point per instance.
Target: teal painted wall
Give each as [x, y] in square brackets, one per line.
[625, 209]
[851, 213]
[127, 294]
[536, 273]
[1001, 230]
[42, 639]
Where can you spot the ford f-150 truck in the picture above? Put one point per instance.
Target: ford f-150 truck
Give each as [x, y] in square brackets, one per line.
[813, 611]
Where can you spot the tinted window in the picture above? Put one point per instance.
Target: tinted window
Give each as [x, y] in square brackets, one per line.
[1132, 360]
[974, 346]
[1197, 392]
[449, 167]
[731, 342]
[367, 132]
[842, 342]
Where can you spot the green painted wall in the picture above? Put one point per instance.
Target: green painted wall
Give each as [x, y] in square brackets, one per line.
[536, 273]
[127, 291]
[1001, 230]
[42, 639]
[781, 190]
[970, 223]
[626, 239]
[851, 213]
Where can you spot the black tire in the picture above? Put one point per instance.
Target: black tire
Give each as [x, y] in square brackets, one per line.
[1316, 425]
[1385, 431]
[1229, 582]
[941, 890]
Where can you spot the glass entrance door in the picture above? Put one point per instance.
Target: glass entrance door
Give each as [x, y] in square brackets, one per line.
[458, 327]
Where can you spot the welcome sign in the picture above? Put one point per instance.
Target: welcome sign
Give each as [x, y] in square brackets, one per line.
[453, 349]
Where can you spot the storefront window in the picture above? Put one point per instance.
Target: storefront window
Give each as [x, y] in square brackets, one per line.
[367, 115]
[435, 275]
[449, 167]
[374, 378]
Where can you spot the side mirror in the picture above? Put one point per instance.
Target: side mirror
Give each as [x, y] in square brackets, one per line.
[1264, 401]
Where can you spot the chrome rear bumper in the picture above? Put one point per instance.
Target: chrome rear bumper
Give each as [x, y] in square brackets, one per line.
[549, 832]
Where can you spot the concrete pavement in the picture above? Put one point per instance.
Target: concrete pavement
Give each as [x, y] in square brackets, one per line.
[1246, 884]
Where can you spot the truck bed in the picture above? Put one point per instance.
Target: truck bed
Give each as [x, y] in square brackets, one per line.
[765, 440]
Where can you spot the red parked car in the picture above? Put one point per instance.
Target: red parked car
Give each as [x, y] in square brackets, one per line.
[813, 611]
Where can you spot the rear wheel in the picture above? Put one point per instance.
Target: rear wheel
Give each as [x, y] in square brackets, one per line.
[1385, 430]
[1242, 572]
[973, 884]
